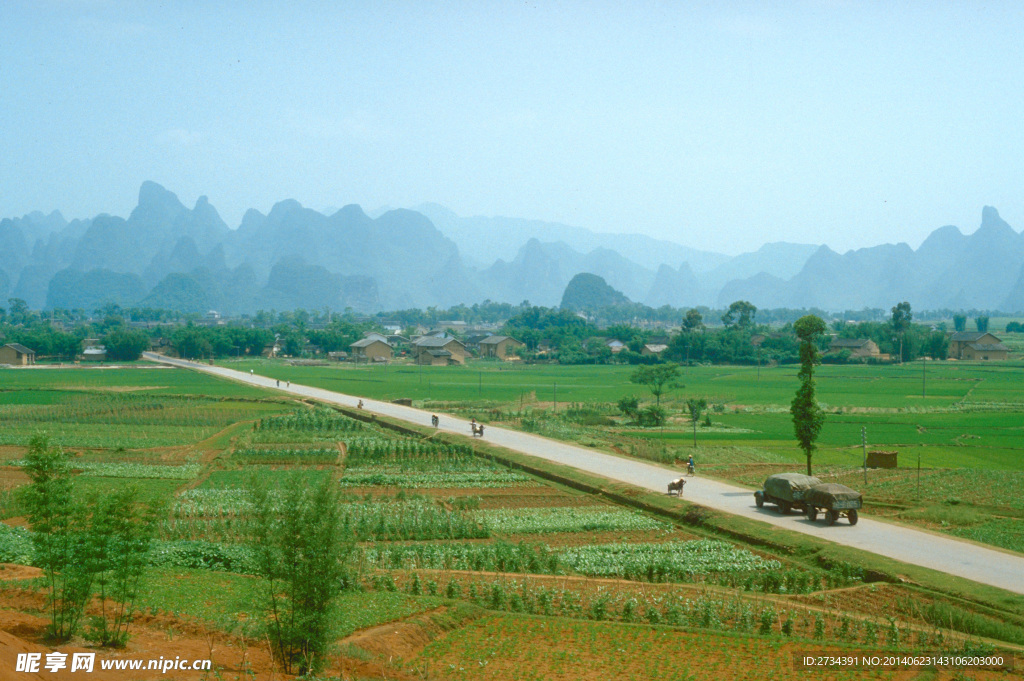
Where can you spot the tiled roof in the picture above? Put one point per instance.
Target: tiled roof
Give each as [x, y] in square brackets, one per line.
[988, 347]
[967, 336]
[366, 342]
[850, 342]
[431, 342]
[494, 340]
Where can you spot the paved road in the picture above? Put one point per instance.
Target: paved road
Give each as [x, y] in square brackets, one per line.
[934, 551]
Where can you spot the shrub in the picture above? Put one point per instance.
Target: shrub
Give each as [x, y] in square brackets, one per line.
[301, 557]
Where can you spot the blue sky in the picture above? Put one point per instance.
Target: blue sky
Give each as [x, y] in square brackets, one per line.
[720, 125]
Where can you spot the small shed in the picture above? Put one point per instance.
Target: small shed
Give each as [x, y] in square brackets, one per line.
[17, 354]
[857, 347]
[653, 349]
[94, 353]
[434, 357]
[882, 459]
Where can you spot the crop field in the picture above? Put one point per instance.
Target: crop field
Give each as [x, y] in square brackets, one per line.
[962, 423]
[475, 567]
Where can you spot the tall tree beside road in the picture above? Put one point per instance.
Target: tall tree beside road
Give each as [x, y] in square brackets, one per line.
[808, 418]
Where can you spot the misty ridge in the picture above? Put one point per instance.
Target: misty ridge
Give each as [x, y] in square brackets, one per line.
[165, 255]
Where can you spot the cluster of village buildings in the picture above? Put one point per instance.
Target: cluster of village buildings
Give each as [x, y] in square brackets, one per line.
[965, 345]
[441, 348]
[16, 354]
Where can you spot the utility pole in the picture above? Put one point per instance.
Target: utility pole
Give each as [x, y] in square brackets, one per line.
[924, 378]
[864, 444]
[480, 385]
[919, 476]
[556, 397]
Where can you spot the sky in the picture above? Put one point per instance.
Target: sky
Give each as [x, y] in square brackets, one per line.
[718, 125]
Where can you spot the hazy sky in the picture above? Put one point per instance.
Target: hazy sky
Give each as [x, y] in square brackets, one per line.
[720, 125]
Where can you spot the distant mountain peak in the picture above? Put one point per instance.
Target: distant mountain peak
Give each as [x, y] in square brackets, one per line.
[352, 210]
[589, 292]
[153, 194]
[282, 208]
[992, 223]
[990, 214]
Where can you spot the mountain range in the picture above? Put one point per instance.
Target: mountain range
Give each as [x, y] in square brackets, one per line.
[167, 255]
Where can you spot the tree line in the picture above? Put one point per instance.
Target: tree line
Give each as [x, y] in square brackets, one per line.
[739, 334]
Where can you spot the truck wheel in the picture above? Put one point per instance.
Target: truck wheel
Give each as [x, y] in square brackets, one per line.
[784, 507]
[852, 516]
[832, 517]
[759, 499]
[812, 513]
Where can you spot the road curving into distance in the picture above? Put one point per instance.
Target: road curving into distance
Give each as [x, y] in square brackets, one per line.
[945, 554]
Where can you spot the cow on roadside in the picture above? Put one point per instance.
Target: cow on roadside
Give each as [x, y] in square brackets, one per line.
[676, 486]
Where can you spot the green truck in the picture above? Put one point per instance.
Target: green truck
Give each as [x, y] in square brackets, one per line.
[785, 490]
[835, 500]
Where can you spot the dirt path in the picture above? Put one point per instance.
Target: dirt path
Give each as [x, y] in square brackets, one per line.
[960, 558]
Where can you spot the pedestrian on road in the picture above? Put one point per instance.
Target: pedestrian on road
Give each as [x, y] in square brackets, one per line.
[250, 372]
[690, 465]
[278, 383]
[289, 384]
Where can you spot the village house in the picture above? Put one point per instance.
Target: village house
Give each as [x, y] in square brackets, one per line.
[858, 347]
[17, 354]
[976, 345]
[422, 347]
[615, 345]
[472, 341]
[653, 349]
[436, 357]
[94, 353]
[371, 350]
[502, 347]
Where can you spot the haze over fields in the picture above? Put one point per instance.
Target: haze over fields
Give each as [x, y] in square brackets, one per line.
[807, 153]
[166, 255]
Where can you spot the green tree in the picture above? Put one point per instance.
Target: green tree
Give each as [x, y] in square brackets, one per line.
[900, 322]
[301, 557]
[651, 416]
[191, 343]
[58, 536]
[657, 378]
[696, 407]
[124, 345]
[808, 417]
[693, 321]
[981, 322]
[740, 313]
[630, 406]
[120, 536]
[960, 322]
